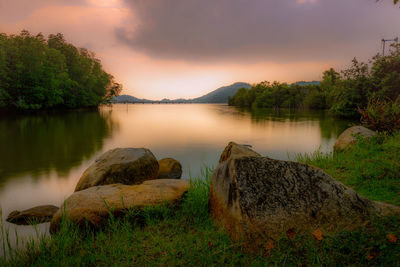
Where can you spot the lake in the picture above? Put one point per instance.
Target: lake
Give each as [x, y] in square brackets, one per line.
[42, 156]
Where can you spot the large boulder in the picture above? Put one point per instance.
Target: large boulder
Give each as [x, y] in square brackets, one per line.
[233, 150]
[94, 205]
[257, 199]
[39, 214]
[169, 169]
[349, 137]
[120, 165]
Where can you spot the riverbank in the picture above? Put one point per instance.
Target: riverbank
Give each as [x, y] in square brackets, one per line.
[186, 235]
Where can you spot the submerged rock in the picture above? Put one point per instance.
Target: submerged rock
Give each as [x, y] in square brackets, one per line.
[169, 169]
[234, 150]
[94, 205]
[258, 199]
[349, 137]
[39, 214]
[121, 165]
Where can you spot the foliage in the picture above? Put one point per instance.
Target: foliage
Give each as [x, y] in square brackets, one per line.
[381, 115]
[272, 95]
[343, 94]
[36, 73]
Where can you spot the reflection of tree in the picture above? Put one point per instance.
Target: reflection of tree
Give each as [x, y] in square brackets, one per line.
[51, 141]
[330, 126]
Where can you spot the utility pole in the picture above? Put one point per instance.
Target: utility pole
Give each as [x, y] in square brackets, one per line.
[388, 40]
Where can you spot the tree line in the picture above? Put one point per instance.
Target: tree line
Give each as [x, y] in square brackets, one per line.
[39, 73]
[344, 93]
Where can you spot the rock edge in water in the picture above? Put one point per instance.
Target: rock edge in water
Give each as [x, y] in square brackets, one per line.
[39, 214]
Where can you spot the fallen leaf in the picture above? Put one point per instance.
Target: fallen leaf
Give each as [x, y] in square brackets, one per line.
[369, 257]
[210, 244]
[391, 238]
[318, 235]
[291, 233]
[373, 254]
[268, 247]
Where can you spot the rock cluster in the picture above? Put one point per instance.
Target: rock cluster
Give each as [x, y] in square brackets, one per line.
[120, 179]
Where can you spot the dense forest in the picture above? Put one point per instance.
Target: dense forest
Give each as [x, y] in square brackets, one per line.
[39, 73]
[344, 93]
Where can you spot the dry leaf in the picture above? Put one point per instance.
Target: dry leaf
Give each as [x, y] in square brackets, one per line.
[373, 254]
[369, 257]
[268, 247]
[291, 233]
[391, 238]
[318, 235]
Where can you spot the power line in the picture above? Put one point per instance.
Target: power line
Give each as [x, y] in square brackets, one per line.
[388, 40]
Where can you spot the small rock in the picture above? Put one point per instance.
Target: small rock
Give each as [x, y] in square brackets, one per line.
[93, 206]
[169, 169]
[121, 165]
[39, 214]
[234, 150]
[348, 137]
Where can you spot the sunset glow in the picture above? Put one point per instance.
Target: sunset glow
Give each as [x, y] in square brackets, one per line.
[176, 49]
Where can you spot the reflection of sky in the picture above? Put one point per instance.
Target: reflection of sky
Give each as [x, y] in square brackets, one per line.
[193, 134]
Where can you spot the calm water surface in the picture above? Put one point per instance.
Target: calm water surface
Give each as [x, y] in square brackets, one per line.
[42, 156]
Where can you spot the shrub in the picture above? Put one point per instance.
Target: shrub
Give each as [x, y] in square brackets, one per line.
[381, 115]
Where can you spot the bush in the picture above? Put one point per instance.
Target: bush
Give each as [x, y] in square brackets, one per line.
[381, 115]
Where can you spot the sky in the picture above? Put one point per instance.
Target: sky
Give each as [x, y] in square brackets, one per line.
[186, 48]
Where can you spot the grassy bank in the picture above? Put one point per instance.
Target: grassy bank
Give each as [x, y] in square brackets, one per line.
[372, 167]
[187, 236]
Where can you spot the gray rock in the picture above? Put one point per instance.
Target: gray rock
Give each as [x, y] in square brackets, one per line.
[233, 150]
[258, 199]
[121, 165]
[39, 214]
[349, 137]
[169, 169]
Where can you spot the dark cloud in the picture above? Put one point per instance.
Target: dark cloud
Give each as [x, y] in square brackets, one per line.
[258, 30]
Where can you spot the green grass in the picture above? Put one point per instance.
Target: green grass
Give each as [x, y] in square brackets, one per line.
[186, 236]
[371, 167]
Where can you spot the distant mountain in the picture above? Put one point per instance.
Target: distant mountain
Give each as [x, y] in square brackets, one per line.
[219, 95]
[303, 83]
[222, 94]
[129, 99]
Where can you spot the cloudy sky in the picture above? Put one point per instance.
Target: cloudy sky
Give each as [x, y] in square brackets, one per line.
[185, 48]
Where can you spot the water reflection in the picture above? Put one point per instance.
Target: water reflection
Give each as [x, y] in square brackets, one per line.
[330, 127]
[38, 144]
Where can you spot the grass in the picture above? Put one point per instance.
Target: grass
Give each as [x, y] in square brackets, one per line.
[186, 236]
[371, 167]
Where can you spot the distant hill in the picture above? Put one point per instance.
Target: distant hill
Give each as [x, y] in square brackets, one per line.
[222, 94]
[129, 99]
[303, 83]
[219, 95]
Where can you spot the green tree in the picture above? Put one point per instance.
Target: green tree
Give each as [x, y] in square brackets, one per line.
[36, 73]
